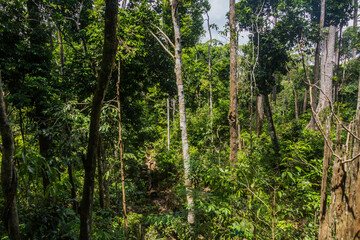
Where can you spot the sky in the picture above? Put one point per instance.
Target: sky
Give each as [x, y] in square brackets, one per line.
[217, 15]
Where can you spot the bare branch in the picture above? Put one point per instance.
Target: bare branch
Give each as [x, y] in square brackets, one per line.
[162, 44]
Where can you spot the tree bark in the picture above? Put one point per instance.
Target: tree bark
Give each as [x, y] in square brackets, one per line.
[296, 105]
[182, 112]
[233, 86]
[121, 152]
[210, 79]
[355, 23]
[8, 173]
[73, 189]
[168, 121]
[323, 217]
[272, 131]
[305, 101]
[259, 113]
[327, 65]
[100, 171]
[107, 64]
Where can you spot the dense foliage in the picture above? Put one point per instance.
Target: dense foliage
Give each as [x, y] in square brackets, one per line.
[50, 56]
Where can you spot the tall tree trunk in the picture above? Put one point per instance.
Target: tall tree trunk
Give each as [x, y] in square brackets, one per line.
[323, 217]
[327, 65]
[8, 173]
[312, 123]
[259, 113]
[210, 78]
[233, 86]
[121, 152]
[272, 131]
[182, 112]
[107, 64]
[168, 121]
[356, 6]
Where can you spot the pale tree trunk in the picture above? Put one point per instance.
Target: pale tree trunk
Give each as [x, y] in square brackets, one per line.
[121, 153]
[327, 65]
[182, 112]
[210, 79]
[8, 174]
[107, 64]
[259, 113]
[312, 123]
[355, 22]
[233, 87]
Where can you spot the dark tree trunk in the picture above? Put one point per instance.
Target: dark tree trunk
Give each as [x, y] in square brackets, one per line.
[272, 131]
[73, 188]
[233, 86]
[355, 22]
[107, 65]
[100, 171]
[8, 174]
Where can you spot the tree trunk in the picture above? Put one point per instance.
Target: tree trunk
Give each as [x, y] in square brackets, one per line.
[323, 217]
[305, 101]
[168, 121]
[259, 113]
[312, 123]
[296, 105]
[100, 171]
[233, 86]
[121, 153]
[73, 189]
[61, 49]
[210, 79]
[8, 173]
[182, 112]
[107, 64]
[327, 65]
[272, 131]
[355, 23]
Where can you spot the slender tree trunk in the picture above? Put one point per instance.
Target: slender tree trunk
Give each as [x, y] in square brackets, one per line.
[327, 65]
[210, 78]
[182, 112]
[312, 123]
[323, 218]
[107, 64]
[73, 188]
[8, 174]
[233, 86]
[259, 113]
[296, 105]
[61, 49]
[355, 23]
[121, 153]
[272, 131]
[168, 121]
[305, 101]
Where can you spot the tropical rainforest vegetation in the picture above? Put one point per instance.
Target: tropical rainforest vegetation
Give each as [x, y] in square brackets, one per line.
[118, 121]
